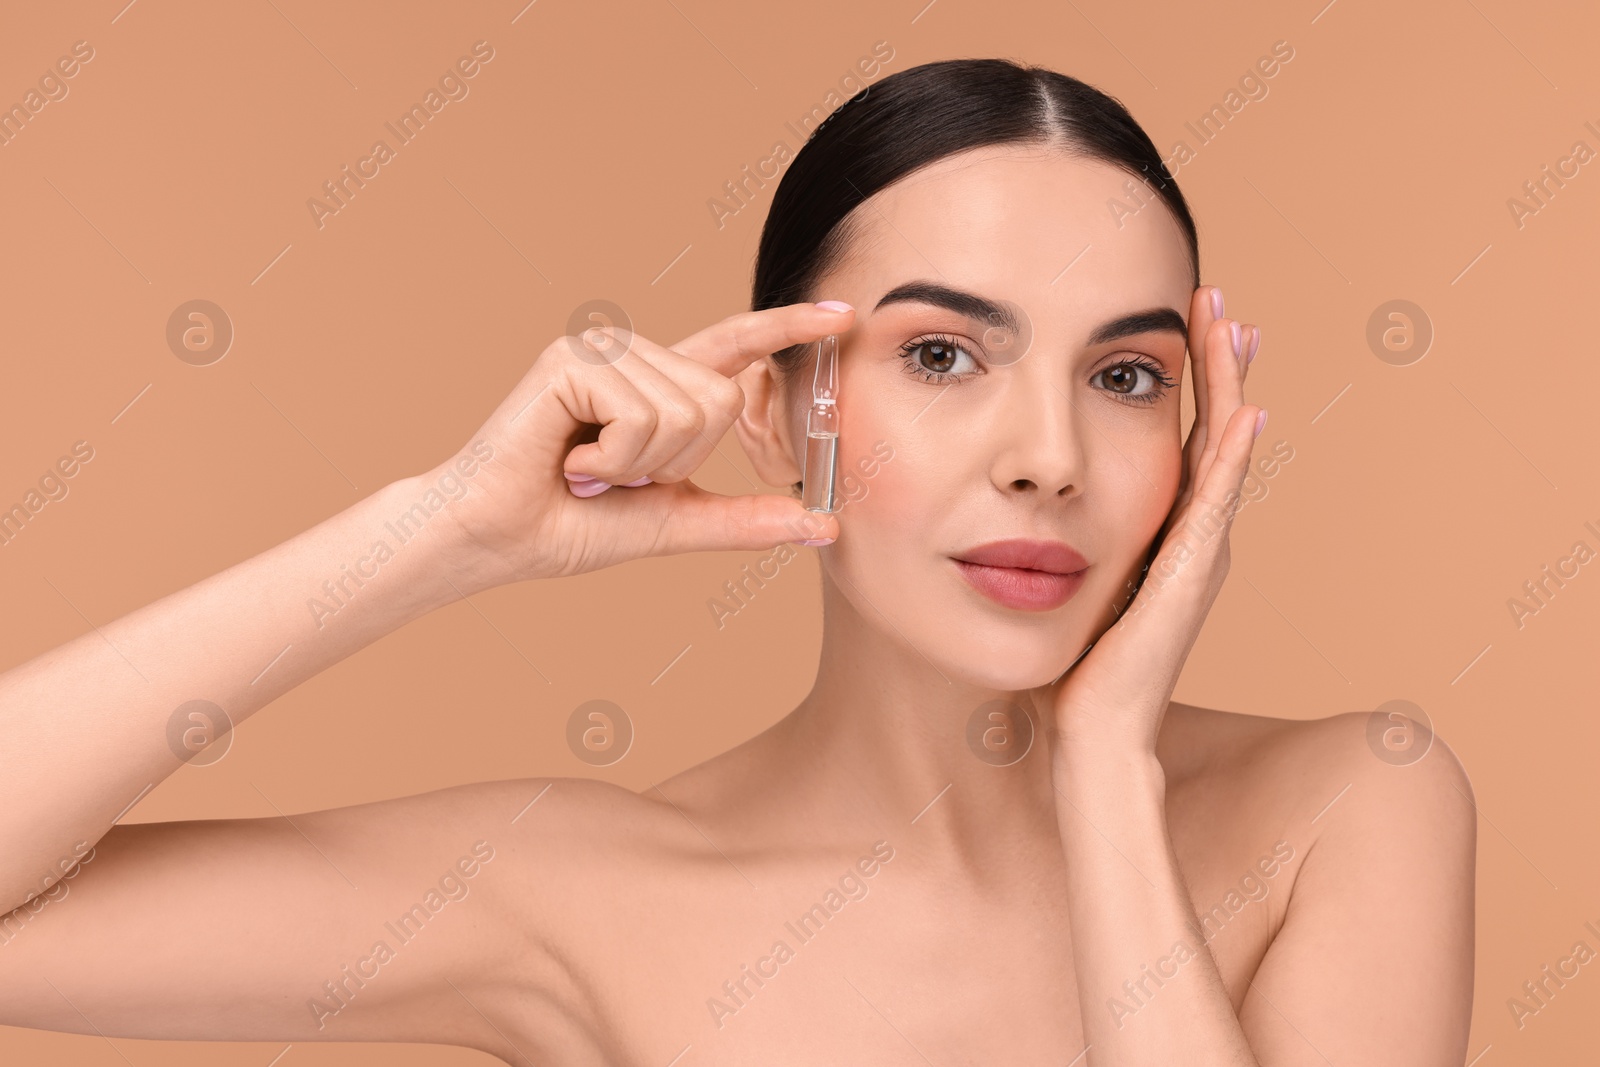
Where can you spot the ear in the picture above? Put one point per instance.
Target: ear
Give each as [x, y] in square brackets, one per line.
[763, 426]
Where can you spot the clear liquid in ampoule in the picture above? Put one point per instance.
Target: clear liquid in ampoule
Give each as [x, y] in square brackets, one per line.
[822, 469]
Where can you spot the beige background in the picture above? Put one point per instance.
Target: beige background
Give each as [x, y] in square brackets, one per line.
[1379, 565]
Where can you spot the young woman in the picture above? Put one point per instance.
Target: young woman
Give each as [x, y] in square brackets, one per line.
[986, 835]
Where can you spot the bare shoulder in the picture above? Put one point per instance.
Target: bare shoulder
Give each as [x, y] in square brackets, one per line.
[1373, 758]
[1382, 889]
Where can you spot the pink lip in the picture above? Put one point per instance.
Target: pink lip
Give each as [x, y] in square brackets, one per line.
[1024, 575]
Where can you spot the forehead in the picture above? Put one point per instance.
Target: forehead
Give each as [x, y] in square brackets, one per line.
[1008, 220]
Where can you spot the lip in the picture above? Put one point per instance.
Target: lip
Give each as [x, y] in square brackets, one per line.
[1024, 574]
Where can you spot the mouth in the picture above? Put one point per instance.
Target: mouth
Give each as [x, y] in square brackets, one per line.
[1024, 575]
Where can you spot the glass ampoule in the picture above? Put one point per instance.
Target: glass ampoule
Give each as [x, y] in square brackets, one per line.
[822, 430]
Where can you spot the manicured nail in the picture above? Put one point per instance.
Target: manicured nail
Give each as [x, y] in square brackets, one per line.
[578, 477]
[818, 541]
[1261, 421]
[593, 487]
[1238, 334]
[638, 481]
[1216, 303]
[834, 305]
[1255, 343]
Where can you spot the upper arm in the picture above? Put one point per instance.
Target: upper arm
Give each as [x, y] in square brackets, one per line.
[375, 922]
[1374, 962]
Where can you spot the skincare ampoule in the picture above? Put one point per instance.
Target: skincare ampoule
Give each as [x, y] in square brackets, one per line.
[822, 430]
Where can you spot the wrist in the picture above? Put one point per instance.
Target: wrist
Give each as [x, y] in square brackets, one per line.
[1084, 764]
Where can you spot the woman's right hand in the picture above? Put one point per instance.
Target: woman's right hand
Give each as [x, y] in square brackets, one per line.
[620, 408]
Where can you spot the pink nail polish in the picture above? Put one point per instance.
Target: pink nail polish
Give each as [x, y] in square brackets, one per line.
[1216, 303]
[1238, 339]
[1255, 343]
[638, 481]
[834, 305]
[1261, 422]
[818, 541]
[593, 487]
[578, 477]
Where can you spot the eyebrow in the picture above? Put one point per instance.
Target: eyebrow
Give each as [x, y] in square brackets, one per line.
[982, 309]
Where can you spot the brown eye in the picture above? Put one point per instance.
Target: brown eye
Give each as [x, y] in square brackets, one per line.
[938, 359]
[1138, 381]
[1122, 378]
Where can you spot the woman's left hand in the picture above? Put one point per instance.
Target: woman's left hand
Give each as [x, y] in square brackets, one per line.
[1117, 693]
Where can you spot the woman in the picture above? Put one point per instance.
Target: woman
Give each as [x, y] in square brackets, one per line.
[987, 834]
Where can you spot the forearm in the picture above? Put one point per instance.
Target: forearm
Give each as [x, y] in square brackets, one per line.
[1148, 988]
[95, 723]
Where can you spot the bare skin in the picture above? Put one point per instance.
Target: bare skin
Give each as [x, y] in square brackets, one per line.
[979, 913]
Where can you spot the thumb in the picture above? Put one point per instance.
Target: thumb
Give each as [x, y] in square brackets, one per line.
[697, 520]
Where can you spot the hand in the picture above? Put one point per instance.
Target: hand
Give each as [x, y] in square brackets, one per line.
[639, 423]
[1118, 692]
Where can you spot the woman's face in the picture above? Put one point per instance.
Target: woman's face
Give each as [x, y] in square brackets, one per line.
[1061, 430]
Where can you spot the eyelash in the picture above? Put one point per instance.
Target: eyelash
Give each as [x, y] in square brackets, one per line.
[916, 370]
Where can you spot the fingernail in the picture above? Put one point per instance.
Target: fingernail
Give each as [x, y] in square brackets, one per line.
[1238, 333]
[1216, 303]
[834, 305]
[579, 477]
[1261, 421]
[818, 541]
[638, 481]
[1255, 343]
[593, 487]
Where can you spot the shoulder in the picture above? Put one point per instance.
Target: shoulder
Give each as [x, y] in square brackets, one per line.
[1377, 759]
[1375, 795]
[1384, 884]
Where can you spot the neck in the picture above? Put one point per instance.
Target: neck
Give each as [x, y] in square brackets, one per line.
[884, 733]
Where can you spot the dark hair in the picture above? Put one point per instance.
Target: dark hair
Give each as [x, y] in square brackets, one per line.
[915, 117]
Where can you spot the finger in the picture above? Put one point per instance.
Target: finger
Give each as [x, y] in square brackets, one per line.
[698, 393]
[1193, 560]
[619, 455]
[1205, 308]
[1225, 385]
[683, 517]
[585, 395]
[739, 340]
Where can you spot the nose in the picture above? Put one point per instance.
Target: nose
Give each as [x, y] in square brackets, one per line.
[1040, 445]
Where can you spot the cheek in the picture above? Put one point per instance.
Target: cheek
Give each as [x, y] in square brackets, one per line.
[1131, 507]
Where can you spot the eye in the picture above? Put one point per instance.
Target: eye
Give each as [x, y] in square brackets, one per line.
[934, 359]
[1141, 380]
